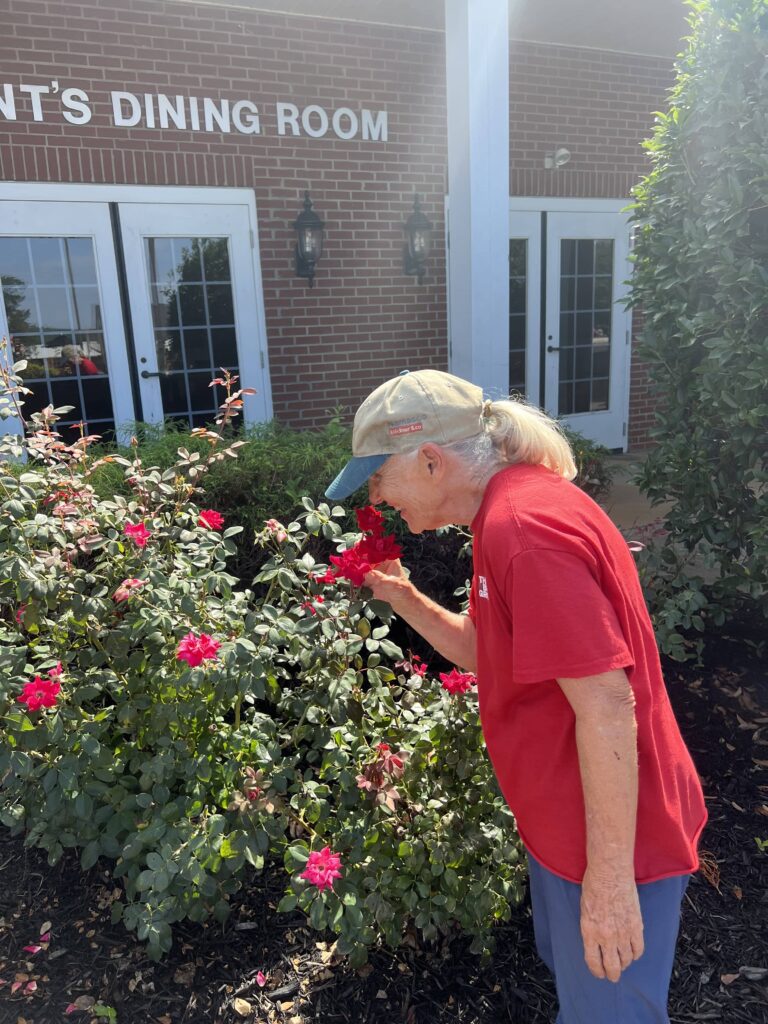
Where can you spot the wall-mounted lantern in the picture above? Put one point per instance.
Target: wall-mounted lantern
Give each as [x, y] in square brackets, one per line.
[560, 157]
[418, 229]
[310, 232]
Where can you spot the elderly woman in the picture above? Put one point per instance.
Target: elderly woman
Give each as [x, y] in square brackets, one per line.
[573, 705]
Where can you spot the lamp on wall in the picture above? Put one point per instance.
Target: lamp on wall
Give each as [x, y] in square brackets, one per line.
[559, 158]
[418, 229]
[310, 233]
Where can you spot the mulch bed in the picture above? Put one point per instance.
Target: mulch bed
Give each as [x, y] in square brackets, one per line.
[210, 976]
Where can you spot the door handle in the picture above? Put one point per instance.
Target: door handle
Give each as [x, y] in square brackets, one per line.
[160, 373]
[550, 348]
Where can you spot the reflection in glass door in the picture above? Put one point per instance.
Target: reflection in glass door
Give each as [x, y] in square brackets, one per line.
[191, 279]
[53, 292]
[193, 314]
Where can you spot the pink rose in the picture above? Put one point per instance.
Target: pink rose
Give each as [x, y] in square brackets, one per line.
[126, 588]
[196, 649]
[138, 533]
[457, 682]
[322, 868]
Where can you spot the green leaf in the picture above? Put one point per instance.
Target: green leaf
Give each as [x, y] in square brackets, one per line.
[288, 903]
[90, 855]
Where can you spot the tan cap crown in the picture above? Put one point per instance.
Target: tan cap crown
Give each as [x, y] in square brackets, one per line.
[407, 411]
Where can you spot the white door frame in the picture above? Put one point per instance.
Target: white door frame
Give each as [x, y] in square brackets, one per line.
[170, 195]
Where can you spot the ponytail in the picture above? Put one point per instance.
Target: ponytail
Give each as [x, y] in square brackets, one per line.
[523, 433]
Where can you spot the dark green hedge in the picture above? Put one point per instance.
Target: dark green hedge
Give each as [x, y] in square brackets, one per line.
[701, 277]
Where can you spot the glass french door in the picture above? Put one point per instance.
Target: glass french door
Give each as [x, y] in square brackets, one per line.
[569, 331]
[195, 309]
[587, 330]
[61, 313]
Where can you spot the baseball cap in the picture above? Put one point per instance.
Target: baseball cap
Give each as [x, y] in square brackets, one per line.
[404, 413]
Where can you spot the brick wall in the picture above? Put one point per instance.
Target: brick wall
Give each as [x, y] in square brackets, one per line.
[364, 320]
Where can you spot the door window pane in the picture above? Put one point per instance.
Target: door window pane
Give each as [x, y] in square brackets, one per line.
[190, 286]
[586, 300]
[53, 305]
[518, 312]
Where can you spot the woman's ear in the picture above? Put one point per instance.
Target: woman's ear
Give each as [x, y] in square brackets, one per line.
[432, 458]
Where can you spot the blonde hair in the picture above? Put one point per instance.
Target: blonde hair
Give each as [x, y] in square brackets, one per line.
[518, 432]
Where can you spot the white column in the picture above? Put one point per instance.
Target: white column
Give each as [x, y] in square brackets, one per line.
[477, 73]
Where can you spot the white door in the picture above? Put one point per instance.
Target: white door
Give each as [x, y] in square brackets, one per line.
[194, 292]
[569, 332]
[61, 312]
[587, 328]
[524, 305]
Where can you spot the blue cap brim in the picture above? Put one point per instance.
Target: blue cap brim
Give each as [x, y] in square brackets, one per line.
[354, 475]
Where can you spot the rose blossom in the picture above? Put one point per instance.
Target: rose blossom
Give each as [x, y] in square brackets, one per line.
[370, 520]
[210, 519]
[41, 693]
[126, 588]
[310, 605]
[457, 682]
[322, 868]
[138, 533]
[277, 530]
[195, 649]
[416, 665]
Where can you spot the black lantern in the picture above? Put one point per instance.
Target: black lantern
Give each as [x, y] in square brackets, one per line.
[418, 228]
[309, 241]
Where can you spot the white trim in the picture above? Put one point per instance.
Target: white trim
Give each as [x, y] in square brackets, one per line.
[83, 193]
[566, 204]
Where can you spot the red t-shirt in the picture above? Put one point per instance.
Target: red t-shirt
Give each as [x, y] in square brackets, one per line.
[556, 594]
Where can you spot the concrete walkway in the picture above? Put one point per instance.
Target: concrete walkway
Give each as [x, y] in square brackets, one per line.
[626, 506]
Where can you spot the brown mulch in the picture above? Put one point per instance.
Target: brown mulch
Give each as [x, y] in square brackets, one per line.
[721, 972]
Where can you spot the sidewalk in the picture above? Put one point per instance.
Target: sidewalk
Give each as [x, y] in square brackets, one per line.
[626, 506]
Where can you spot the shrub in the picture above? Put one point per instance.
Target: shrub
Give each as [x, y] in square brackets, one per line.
[700, 276]
[159, 716]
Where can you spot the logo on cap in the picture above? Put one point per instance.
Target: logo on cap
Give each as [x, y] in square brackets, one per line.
[406, 428]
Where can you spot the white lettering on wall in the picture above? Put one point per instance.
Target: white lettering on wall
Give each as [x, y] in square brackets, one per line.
[149, 110]
[194, 114]
[8, 103]
[351, 131]
[213, 113]
[76, 102]
[119, 119]
[190, 113]
[175, 111]
[35, 92]
[245, 117]
[287, 114]
[306, 122]
[375, 130]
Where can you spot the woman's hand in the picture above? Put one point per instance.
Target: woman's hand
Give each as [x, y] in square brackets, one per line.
[389, 582]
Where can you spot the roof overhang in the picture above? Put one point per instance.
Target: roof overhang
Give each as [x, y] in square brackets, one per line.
[653, 27]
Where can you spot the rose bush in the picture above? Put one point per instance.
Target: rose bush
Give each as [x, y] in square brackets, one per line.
[185, 729]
